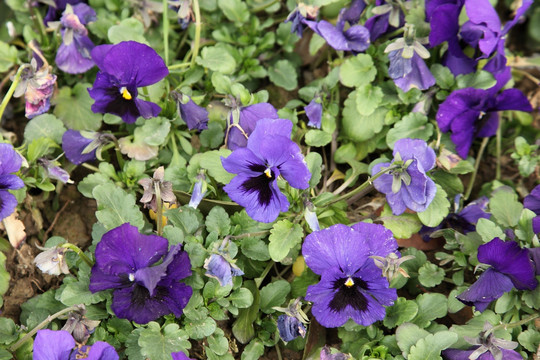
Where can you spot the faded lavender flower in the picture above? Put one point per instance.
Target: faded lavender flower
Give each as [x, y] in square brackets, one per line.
[291, 324]
[84, 146]
[221, 266]
[54, 171]
[391, 265]
[310, 215]
[79, 326]
[184, 12]
[199, 190]
[52, 260]
[155, 188]
[314, 112]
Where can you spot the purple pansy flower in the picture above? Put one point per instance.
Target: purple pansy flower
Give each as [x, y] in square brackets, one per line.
[54, 12]
[195, 116]
[220, 266]
[408, 186]
[241, 127]
[388, 17]
[470, 113]
[142, 292]
[353, 12]
[487, 347]
[60, 345]
[269, 153]
[351, 285]
[510, 267]
[73, 55]
[463, 221]
[532, 202]
[83, 146]
[180, 356]
[124, 68]
[290, 328]
[10, 162]
[314, 112]
[299, 17]
[355, 38]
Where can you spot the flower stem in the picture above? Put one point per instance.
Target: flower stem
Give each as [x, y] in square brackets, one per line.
[196, 45]
[159, 212]
[499, 150]
[515, 324]
[90, 167]
[41, 325]
[179, 66]
[259, 280]
[367, 183]
[79, 252]
[165, 28]
[476, 167]
[11, 89]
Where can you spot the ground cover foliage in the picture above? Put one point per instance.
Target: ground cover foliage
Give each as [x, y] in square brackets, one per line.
[264, 179]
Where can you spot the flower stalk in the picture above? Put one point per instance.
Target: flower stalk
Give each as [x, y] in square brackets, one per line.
[196, 45]
[79, 252]
[476, 167]
[11, 89]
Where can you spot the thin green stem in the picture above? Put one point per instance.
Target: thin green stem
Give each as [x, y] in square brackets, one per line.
[43, 32]
[259, 280]
[159, 212]
[90, 167]
[165, 27]
[11, 89]
[196, 45]
[41, 325]
[517, 323]
[79, 252]
[476, 167]
[179, 66]
[367, 183]
[499, 151]
[278, 351]
[259, 233]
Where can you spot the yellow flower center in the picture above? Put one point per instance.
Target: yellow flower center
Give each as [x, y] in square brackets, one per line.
[349, 282]
[268, 173]
[125, 93]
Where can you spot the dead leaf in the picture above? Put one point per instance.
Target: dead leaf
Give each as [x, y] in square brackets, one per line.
[15, 229]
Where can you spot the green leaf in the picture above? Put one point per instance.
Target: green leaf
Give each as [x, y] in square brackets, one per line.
[454, 305]
[200, 329]
[218, 343]
[431, 306]
[488, 230]
[444, 77]
[87, 185]
[73, 108]
[358, 127]
[430, 275]
[402, 226]
[40, 147]
[128, 29]
[157, 343]
[368, 99]
[314, 164]
[243, 328]
[8, 56]
[283, 237]
[4, 277]
[505, 207]
[185, 218]
[318, 138]
[413, 125]
[357, 71]
[253, 351]
[437, 210]
[8, 331]
[213, 136]
[133, 350]
[154, 131]
[45, 125]
[211, 161]
[402, 311]
[283, 74]
[235, 10]
[480, 80]
[116, 207]
[254, 248]
[407, 335]
[241, 298]
[218, 221]
[5, 355]
[430, 347]
[274, 294]
[506, 302]
[217, 59]
[529, 339]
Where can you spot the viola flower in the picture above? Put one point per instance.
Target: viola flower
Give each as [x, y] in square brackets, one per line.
[353, 12]
[54, 12]
[532, 202]
[351, 285]
[73, 55]
[52, 260]
[37, 85]
[142, 292]
[124, 68]
[269, 153]
[486, 348]
[60, 345]
[510, 267]
[408, 186]
[300, 16]
[407, 67]
[199, 190]
[290, 328]
[146, 11]
[152, 186]
[195, 116]
[314, 112]
[184, 13]
[180, 356]
[354, 39]
[220, 266]
[84, 146]
[326, 354]
[470, 113]
[54, 171]
[463, 221]
[311, 216]
[241, 126]
[10, 162]
[79, 325]
[388, 17]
